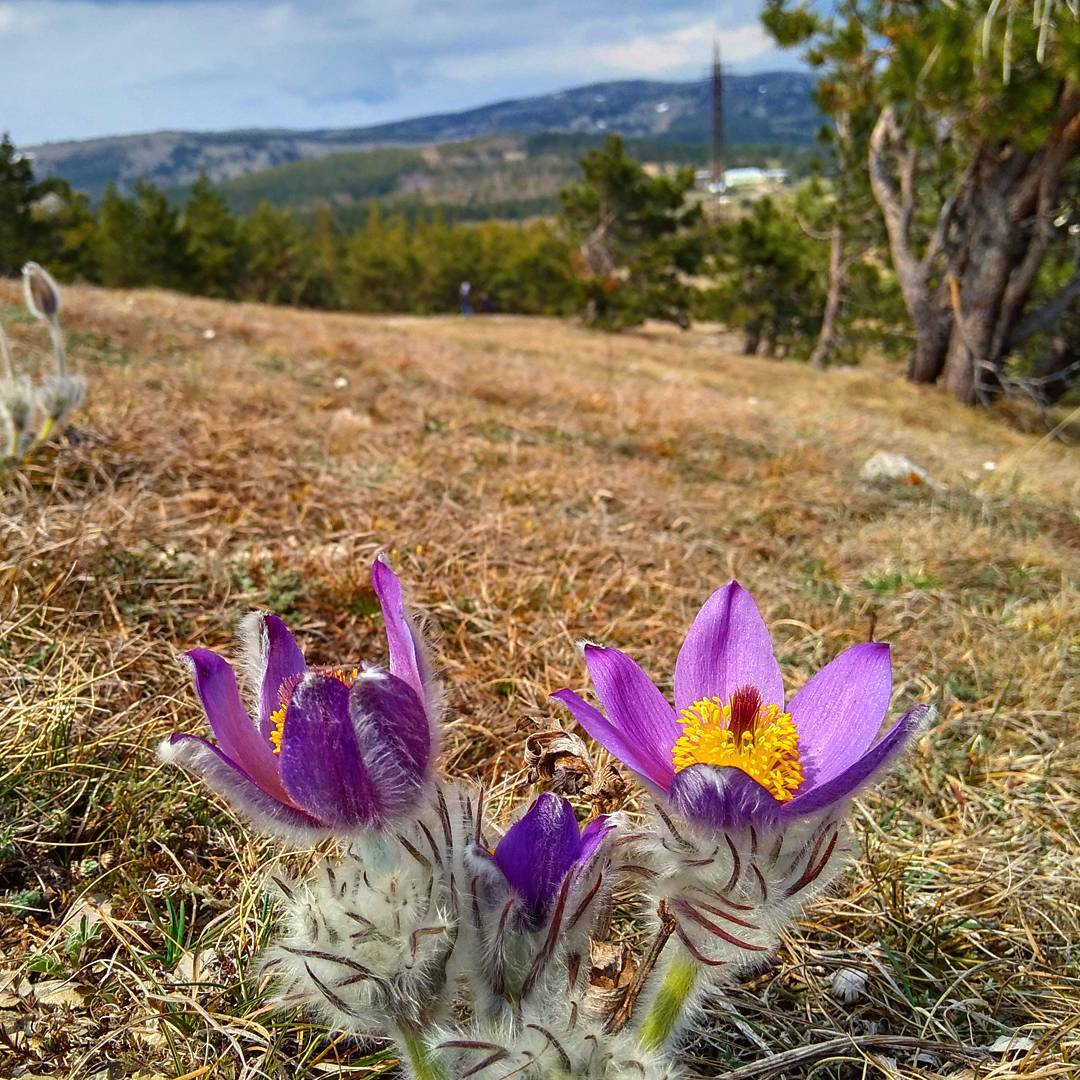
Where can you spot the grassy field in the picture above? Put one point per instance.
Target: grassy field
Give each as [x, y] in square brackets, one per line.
[535, 483]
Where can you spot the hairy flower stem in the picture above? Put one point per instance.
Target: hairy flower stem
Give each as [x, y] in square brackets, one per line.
[57, 336]
[421, 1063]
[8, 369]
[668, 1007]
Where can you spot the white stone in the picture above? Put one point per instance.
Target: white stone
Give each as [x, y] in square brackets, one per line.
[888, 468]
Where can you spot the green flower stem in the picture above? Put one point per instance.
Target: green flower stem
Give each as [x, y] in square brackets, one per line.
[423, 1065]
[46, 430]
[668, 1006]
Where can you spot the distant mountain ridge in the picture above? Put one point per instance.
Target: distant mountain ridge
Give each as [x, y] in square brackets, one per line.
[768, 108]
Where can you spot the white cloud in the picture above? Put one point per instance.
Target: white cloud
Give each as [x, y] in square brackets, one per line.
[688, 47]
[10, 23]
[103, 67]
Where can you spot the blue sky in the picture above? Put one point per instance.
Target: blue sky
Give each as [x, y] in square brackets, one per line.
[78, 68]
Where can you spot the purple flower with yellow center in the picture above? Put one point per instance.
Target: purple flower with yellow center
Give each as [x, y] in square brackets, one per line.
[731, 752]
[543, 851]
[325, 749]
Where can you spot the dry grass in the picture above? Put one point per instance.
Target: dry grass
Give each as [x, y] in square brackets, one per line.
[537, 484]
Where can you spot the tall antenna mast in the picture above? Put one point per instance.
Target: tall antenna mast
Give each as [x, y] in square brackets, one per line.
[717, 119]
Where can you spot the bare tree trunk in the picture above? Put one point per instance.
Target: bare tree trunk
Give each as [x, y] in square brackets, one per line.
[769, 338]
[931, 345]
[828, 337]
[976, 296]
[752, 339]
[929, 314]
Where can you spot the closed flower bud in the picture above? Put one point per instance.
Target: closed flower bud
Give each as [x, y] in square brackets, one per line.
[41, 292]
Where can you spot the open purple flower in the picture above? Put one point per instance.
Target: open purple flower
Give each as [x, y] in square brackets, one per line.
[541, 849]
[731, 752]
[328, 750]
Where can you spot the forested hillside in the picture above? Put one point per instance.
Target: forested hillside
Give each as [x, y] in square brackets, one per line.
[772, 107]
[503, 177]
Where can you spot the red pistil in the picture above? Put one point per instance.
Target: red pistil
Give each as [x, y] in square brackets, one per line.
[745, 704]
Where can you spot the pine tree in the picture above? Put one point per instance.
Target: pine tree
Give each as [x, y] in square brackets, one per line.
[381, 268]
[636, 236]
[212, 242]
[116, 251]
[159, 240]
[769, 276]
[22, 232]
[972, 153]
[279, 256]
[70, 252]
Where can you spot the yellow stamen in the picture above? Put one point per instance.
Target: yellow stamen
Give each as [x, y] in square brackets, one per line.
[763, 741]
[277, 728]
[277, 717]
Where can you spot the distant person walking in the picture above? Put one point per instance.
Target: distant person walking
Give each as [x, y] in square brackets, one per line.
[464, 296]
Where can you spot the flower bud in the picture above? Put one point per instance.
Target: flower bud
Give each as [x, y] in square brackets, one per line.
[41, 292]
[18, 404]
[61, 395]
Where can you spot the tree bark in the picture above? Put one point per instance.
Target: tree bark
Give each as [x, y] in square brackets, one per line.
[752, 338]
[930, 317]
[830, 317]
[967, 296]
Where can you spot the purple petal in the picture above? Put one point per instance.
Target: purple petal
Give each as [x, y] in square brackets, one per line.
[592, 842]
[657, 773]
[231, 782]
[636, 709]
[407, 659]
[538, 851]
[283, 664]
[239, 738]
[722, 798]
[320, 760]
[592, 836]
[840, 710]
[727, 647]
[863, 772]
[393, 737]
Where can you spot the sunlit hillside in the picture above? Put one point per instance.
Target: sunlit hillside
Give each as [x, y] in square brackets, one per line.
[534, 483]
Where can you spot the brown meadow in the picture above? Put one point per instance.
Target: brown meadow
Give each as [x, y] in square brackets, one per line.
[535, 484]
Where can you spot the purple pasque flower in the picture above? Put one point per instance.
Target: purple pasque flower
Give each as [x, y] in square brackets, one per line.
[328, 750]
[731, 752]
[544, 848]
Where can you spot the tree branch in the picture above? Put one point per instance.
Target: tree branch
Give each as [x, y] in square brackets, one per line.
[945, 217]
[1022, 279]
[908, 269]
[1047, 316]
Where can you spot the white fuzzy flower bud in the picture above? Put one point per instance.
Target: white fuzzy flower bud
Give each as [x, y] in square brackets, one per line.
[42, 296]
[370, 940]
[19, 405]
[551, 1037]
[519, 962]
[41, 292]
[732, 892]
[60, 395]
